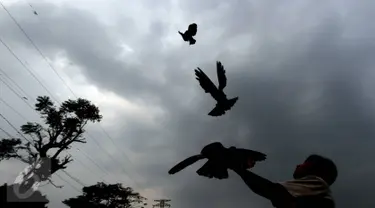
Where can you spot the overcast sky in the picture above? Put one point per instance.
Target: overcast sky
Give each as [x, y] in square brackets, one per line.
[303, 71]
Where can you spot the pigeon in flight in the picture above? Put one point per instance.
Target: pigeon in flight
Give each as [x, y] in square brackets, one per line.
[217, 156]
[189, 33]
[223, 103]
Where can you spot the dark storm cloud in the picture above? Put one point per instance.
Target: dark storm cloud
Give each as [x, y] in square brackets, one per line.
[324, 71]
[301, 92]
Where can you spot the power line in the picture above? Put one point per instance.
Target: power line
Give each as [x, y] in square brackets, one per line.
[162, 203]
[24, 66]
[68, 183]
[10, 50]
[15, 83]
[39, 51]
[7, 133]
[36, 47]
[1, 115]
[93, 161]
[14, 110]
[113, 142]
[33, 137]
[110, 156]
[87, 132]
[15, 92]
[74, 178]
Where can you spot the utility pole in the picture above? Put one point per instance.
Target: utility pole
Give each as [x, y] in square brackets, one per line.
[161, 203]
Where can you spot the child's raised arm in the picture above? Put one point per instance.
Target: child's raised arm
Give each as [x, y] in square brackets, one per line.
[275, 192]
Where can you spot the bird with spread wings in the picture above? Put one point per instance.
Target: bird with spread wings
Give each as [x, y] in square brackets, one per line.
[218, 158]
[223, 103]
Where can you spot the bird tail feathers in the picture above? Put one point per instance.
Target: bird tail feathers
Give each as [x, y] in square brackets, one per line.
[231, 102]
[217, 111]
[192, 41]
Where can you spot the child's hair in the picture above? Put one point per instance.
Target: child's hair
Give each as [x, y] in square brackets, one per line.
[323, 167]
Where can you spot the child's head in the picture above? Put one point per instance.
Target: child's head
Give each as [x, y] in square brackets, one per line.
[319, 166]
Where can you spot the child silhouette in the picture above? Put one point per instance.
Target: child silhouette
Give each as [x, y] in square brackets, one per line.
[310, 187]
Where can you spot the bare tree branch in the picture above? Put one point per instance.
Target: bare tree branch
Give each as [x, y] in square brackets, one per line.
[50, 181]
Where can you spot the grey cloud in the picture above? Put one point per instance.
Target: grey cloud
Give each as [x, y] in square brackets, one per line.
[300, 92]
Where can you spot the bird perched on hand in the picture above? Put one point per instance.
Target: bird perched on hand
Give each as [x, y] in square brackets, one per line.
[220, 159]
[189, 33]
[223, 103]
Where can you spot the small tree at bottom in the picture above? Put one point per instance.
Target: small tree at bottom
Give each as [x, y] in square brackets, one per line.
[106, 195]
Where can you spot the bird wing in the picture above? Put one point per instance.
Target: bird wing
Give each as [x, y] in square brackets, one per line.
[183, 164]
[245, 158]
[222, 79]
[213, 169]
[206, 84]
[193, 29]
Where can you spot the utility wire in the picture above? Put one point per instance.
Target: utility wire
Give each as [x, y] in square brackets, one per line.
[3, 117]
[14, 110]
[79, 191]
[15, 83]
[93, 161]
[73, 178]
[24, 66]
[15, 93]
[36, 47]
[18, 113]
[7, 133]
[96, 142]
[43, 56]
[114, 159]
[19, 60]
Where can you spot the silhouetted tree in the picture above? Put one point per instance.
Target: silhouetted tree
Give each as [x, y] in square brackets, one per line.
[10, 200]
[106, 195]
[64, 125]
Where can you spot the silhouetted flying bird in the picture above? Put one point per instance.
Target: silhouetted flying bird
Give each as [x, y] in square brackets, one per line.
[189, 33]
[223, 104]
[218, 158]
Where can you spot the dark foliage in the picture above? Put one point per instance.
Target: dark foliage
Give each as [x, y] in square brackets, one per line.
[9, 148]
[106, 195]
[63, 126]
